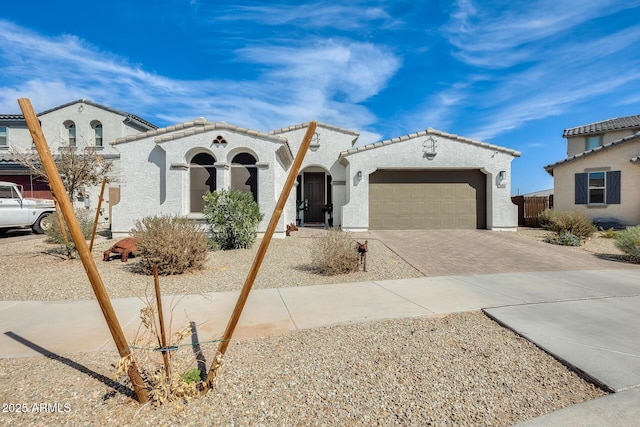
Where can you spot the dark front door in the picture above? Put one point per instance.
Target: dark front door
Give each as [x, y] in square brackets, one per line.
[314, 196]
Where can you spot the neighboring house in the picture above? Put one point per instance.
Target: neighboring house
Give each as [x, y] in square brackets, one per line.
[77, 124]
[600, 175]
[426, 180]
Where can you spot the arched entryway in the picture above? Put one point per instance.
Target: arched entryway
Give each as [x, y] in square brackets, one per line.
[314, 197]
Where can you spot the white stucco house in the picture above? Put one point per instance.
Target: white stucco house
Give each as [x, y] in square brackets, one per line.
[426, 180]
[78, 125]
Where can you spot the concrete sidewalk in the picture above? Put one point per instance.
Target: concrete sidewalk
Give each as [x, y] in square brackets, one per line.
[588, 319]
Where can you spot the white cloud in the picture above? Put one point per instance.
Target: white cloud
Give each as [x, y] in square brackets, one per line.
[310, 15]
[487, 35]
[324, 80]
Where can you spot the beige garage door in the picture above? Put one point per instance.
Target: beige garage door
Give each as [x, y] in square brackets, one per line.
[424, 200]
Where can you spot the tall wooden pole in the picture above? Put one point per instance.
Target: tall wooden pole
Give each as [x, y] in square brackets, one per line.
[163, 335]
[55, 182]
[262, 250]
[95, 221]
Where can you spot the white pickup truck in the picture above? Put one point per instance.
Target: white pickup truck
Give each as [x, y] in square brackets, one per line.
[20, 212]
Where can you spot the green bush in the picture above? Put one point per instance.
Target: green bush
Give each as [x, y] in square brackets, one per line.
[567, 221]
[173, 243]
[333, 253]
[628, 241]
[54, 232]
[564, 238]
[233, 217]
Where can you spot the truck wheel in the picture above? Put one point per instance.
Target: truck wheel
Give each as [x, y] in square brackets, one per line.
[42, 224]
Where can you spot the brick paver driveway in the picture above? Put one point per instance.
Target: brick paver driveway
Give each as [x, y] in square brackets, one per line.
[460, 252]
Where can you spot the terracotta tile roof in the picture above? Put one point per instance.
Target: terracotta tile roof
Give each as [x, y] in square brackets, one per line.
[630, 122]
[626, 139]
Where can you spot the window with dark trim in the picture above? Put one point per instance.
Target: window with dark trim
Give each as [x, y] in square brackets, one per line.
[597, 188]
[97, 132]
[202, 178]
[244, 174]
[71, 133]
[3, 136]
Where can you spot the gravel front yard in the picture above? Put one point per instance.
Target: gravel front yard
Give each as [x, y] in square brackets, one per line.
[37, 270]
[460, 369]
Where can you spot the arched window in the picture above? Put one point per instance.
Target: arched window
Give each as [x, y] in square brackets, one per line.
[97, 132]
[71, 132]
[244, 174]
[202, 177]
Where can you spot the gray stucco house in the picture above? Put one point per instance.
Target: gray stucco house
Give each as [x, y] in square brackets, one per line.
[426, 180]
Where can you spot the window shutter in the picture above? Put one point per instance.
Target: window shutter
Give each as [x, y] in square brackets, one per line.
[613, 187]
[582, 188]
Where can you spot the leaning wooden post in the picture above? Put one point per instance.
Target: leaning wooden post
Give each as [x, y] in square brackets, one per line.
[255, 267]
[61, 195]
[95, 221]
[163, 335]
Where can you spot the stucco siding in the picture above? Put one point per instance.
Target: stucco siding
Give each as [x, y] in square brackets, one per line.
[157, 182]
[578, 144]
[450, 154]
[613, 158]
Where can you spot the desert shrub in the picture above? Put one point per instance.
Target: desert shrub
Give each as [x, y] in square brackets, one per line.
[173, 243]
[628, 241]
[232, 217]
[609, 233]
[573, 222]
[54, 232]
[564, 238]
[333, 253]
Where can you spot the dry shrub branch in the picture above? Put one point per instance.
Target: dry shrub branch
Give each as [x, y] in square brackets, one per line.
[334, 253]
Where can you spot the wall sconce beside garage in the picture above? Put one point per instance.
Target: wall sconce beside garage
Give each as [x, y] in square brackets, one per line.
[501, 179]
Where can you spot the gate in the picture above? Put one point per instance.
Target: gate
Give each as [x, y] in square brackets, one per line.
[530, 207]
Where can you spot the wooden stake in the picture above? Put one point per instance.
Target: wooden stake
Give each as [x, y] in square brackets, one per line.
[95, 221]
[55, 182]
[255, 267]
[163, 336]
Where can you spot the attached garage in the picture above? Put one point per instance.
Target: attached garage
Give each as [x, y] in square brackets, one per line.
[427, 199]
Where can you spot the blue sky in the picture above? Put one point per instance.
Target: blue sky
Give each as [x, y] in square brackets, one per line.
[512, 73]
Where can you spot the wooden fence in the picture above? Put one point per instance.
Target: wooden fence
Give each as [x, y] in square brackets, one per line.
[530, 207]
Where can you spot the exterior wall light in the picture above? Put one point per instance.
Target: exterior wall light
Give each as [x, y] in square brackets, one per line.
[359, 175]
[315, 142]
[429, 147]
[501, 179]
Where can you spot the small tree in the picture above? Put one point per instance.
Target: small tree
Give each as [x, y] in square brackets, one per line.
[233, 218]
[77, 167]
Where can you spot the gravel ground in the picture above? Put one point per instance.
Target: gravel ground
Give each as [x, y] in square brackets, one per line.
[460, 369]
[40, 271]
